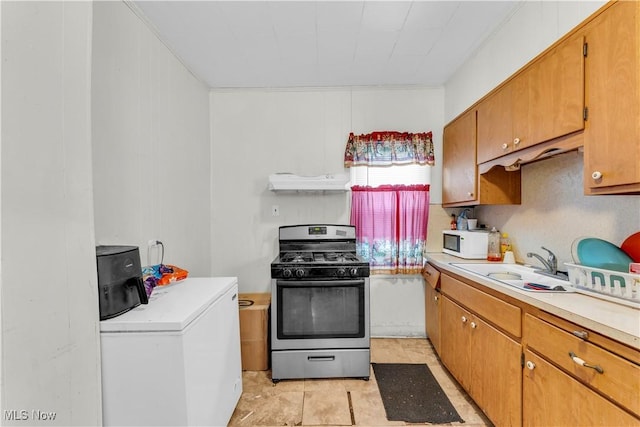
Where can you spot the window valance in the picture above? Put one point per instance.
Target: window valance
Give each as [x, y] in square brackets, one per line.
[389, 148]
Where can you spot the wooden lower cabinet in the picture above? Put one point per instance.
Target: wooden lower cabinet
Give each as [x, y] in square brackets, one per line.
[455, 341]
[560, 389]
[432, 305]
[571, 376]
[432, 316]
[485, 362]
[553, 398]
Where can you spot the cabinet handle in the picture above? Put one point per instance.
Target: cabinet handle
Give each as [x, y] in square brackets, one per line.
[470, 194]
[596, 175]
[581, 334]
[473, 325]
[505, 146]
[530, 365]
[581, 362]
[436, 299]
[516, 141]
[464, 319]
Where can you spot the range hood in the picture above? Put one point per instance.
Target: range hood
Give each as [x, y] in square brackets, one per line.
[328, 182]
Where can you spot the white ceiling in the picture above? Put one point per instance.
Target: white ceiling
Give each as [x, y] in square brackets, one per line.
[232, 44]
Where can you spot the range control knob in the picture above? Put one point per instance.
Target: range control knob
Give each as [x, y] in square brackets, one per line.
[353, 272]
[286, 273]
[299, 272]
[341, 272]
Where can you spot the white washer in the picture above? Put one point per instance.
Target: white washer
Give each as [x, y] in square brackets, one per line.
[175, 361]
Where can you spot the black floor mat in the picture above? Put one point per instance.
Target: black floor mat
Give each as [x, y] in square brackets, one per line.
[410, 393]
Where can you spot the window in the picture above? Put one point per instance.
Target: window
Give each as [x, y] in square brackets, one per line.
[390, 173]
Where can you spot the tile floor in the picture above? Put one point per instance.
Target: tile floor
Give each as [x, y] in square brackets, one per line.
[339, 402]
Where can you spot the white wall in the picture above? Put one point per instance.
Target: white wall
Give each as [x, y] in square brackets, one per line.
[533, 27]
[50, 352]
[554, 210]
[259, 132]
[150, 143]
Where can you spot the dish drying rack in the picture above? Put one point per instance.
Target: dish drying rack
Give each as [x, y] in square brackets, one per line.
[616, 286]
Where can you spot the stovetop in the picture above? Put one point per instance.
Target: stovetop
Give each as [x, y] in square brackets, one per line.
[318, 252]
[318, 265]
[319, 257]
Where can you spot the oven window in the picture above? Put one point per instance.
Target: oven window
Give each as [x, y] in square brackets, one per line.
[332, 309]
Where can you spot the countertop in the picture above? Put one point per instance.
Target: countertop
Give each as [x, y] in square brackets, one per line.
[616, 321]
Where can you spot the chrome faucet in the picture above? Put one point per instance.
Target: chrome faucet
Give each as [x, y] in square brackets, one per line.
[550, 264]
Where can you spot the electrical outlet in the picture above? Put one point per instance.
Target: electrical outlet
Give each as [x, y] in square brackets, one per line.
[275, 210]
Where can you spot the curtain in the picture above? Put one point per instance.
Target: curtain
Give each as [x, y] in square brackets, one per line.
[389, 148]
[413, 211]
[391, 226]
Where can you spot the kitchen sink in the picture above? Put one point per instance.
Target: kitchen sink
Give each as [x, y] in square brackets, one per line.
[518, 276]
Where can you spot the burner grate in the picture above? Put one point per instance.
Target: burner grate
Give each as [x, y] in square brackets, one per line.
[335, 257]
[297, 257]
[340, 257]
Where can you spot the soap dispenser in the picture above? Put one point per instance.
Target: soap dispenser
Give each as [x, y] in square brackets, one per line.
[493, 246]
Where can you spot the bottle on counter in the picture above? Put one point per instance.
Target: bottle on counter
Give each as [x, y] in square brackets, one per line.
[505, 244]
[493, 246]
[454, 225]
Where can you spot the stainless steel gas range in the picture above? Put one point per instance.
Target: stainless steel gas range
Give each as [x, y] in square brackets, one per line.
[319, 304]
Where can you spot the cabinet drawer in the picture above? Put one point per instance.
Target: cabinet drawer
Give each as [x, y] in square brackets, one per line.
[553, 398]
[619, 379]
[500, 313]
[431, 275]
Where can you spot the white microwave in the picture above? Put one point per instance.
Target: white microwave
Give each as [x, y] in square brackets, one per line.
[465, 243]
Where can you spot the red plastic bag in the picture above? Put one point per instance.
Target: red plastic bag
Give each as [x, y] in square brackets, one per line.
[171, 274]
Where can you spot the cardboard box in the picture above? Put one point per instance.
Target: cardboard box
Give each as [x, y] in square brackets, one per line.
[254, 331]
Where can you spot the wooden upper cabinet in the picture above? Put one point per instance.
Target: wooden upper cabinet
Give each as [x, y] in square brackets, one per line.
[495, 124]
[582, 91]
[555, 97]
[612, 134]
[461, 183]
[459, 160]
[542, 102]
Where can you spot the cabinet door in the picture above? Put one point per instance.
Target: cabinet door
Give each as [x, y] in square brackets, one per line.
[495, 128]
[548, 97]
[543, 102]
[459, 160]
[496, 373]
[616, 377]
[432, 316]
[612, 135]
[454, 340]
[552, 398]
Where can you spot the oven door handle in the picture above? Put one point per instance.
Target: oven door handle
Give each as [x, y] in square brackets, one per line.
[321, 358]
[329, 283]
